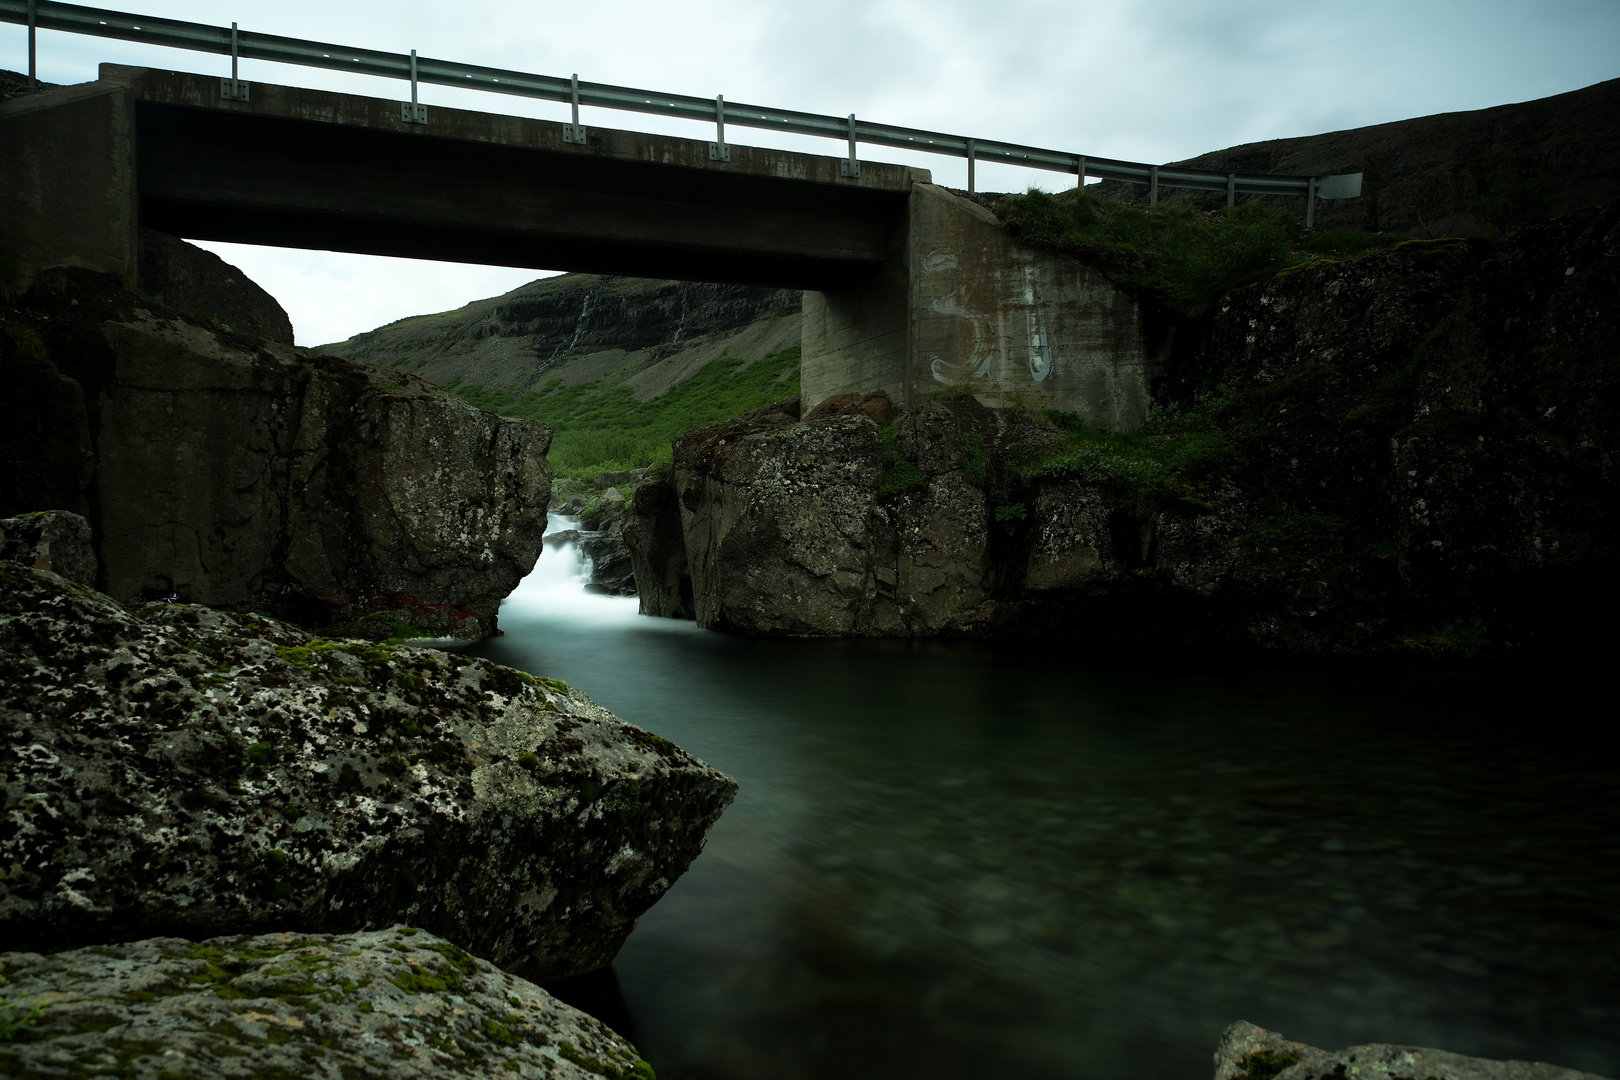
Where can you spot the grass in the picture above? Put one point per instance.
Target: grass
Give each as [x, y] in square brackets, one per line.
[1184, 257]
[1178, 453]
[599, 426]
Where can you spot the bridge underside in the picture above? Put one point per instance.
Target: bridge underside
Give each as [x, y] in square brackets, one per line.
[312, 169]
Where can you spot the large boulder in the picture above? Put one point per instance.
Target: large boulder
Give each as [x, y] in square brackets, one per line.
[248, 474]
[397, 1003]
[1249, 1052]
[652, 534]
[180, 770]
[201, 283]
[55, 540]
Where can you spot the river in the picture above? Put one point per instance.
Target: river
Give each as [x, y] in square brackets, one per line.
[1019, 860]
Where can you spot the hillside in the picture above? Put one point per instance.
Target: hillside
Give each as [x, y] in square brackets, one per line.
[617, 366]
[1452, 174]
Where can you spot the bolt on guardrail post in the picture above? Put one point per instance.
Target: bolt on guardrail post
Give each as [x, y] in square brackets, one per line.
[233, 88]
[851, 166]
[719, 151]
[971, 150]
[1231, 189]
[573, 133]
[1310, 206]
[1153, 186]
[33, 30]
[410, 111]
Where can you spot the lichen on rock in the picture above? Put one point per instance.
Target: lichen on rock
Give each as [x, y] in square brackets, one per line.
[173, 769]
[397, 1003]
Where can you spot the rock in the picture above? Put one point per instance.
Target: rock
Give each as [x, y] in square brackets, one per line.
[1407, 451]
[1247, 1051]
[631, 477]
[178, 770]
[257, 476]
[398, 1003]
[51, 540]
[877, 406]
[201, 283]
[612, 571]
[563, 536]
[652, 534]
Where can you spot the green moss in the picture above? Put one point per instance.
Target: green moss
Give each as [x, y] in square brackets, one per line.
[1453, 640]
[1184, 258]
[1263, 1064]
[16, 1014]
[899, 473]
[1294, 529]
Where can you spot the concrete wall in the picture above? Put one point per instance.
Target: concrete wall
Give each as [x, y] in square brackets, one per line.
[67, 182]
[1016, 325]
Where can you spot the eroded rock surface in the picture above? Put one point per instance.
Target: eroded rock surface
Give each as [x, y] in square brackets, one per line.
[181, 770]
[1248, 1051]
[247, 474]
[51, 540]
[397, 1004]
[1413, 450]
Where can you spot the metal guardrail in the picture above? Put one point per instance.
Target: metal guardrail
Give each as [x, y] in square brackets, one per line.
[240, 44]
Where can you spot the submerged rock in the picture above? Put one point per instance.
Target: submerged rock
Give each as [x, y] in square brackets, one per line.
[245, 473]
[180, 770]
[397, 1003]
[1248, 1052]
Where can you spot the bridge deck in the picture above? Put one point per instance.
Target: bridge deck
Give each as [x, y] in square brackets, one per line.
[307, 168]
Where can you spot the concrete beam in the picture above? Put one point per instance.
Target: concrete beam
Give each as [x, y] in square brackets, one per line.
[67, 182]
[308, 168]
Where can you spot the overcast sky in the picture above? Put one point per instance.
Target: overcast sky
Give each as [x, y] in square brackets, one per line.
[1146, 80]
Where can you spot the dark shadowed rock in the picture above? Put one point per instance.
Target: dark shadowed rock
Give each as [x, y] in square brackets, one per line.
[1412, 450]
[1246, 1051]
[256, 476]
[398, 1003]
[652, 533]
[53, 540]
[201, 283]
[181, 770]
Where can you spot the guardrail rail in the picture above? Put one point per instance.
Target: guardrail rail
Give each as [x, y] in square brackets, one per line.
[240, 44]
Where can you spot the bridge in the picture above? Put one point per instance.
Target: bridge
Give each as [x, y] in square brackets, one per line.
[907, 286]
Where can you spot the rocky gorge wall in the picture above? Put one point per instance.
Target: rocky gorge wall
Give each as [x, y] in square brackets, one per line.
[242, 472]
[1412, 449]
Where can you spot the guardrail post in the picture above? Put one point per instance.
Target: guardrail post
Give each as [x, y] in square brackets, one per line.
[971, 151]
[410, 111]
[1310, 206]
[851, 166]
[1080, 169]
[1231, 189]
[719, 151]
[1153, 186]
[33, 30]
[574, 133]
[233, 89]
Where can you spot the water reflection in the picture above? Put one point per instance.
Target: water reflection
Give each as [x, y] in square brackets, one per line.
[961, 860]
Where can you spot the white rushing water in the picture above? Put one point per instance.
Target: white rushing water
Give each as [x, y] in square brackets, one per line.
[555, 589]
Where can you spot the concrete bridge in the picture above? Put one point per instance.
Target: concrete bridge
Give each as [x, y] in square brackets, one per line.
[909, 288]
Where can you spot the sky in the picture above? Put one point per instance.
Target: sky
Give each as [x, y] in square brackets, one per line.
[1142, 80]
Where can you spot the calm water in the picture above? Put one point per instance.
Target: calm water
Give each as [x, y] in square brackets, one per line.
[953, 860]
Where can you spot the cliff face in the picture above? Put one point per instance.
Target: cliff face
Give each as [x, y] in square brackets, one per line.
[1414, 449]
[248, 474]
[580, 326]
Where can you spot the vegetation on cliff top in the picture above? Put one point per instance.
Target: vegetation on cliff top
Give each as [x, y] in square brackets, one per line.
[1183, 257]
[600, 426]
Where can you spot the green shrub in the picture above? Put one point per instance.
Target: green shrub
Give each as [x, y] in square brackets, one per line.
[1184, 257]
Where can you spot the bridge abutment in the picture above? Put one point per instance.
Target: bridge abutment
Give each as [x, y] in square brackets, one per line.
[980, 311]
